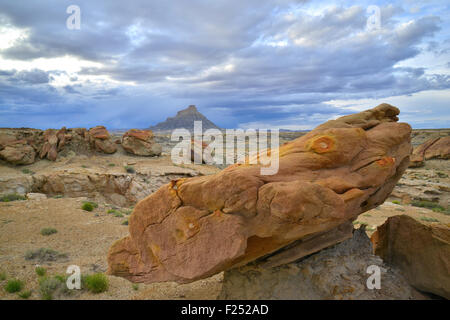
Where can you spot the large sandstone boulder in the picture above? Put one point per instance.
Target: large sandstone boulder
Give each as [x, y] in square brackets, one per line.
[193, 228]
[18, 153]
[101, 140]
[141, 143]
[336, 273]
[420, 250]
[435, 148]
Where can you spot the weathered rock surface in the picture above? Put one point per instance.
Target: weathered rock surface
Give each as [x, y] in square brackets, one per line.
[21, 145]
[18, 152]
[339, 272]
[141, 143]
[435, 148]
[101, 140]
[420, 250]
[196, 227]
[120, 189]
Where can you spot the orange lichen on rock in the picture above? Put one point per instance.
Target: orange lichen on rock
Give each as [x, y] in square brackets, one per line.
[322, 144]
[207, 224]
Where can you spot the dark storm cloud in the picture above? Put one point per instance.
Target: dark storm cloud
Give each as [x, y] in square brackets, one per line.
[250, 60]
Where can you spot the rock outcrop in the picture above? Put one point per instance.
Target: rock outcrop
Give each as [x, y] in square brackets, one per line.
[22, 146]
[18, 152]
[101, 140]
[420, 250]
[193, 228]
[435, 148]
[336, 273]
[185, 119]
[141, 143]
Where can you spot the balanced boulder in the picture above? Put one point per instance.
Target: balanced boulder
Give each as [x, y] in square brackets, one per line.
[195, 227]
[141, 143]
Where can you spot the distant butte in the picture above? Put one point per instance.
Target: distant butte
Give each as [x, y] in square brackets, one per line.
[185, 119]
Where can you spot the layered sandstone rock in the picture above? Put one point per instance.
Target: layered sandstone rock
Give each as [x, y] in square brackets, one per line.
[435, 148]
[193, 228]
[101, 140]
[141, 143]
[420, 250]
[336, 273]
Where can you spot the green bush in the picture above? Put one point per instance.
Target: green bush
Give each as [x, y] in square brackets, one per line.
[14, 285]
[396, 202]
[87, 206]
[48, 231]
[40, 271]
[96, 283]
[426, 204]
[125, 222]
[25, 294]
[129, 169]
[12, 197]
[112, 211]
[27, 171]
[2, 276]
[111, 164]
[58, 196]
[135, 287]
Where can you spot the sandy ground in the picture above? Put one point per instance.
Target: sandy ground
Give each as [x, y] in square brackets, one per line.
[85, 237]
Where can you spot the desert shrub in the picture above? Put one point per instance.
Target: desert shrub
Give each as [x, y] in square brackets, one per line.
[84, 166]
[25, 294]
[135, 287]
[426, 204]
[3, 276]
[58, 196]
[14, 285]
[396, 202]
[12, 197]
[96, 283]
[27, 171]
[118, 215]
[48, 286]
[87, 206]
[442, 175]
[40, 271]
[129, 169]
[427, 219]
[125, 222]
[114, 211]
[111, 164]
[48, 231]
[44, 254]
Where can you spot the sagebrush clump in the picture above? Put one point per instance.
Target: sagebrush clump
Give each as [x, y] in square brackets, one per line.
[48, 231]
[96, 283]
[14, 285]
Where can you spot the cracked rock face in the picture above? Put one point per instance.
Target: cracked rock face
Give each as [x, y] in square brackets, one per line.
[195, 227]
[141, 143]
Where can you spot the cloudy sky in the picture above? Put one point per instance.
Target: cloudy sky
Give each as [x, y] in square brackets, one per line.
[282, 63]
